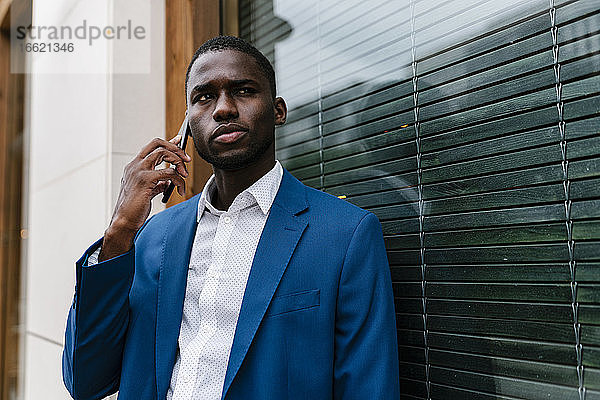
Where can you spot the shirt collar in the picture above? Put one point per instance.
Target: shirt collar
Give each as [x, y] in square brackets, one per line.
[263, 191]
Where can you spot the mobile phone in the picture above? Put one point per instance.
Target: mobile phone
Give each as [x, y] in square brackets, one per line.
[184, 131]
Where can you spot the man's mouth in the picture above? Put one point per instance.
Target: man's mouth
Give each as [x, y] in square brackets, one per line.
[228, 133]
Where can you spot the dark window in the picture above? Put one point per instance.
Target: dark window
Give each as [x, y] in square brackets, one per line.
[472, 130]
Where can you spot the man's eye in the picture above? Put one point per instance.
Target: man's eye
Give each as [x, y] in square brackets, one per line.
[245, 91]
[201, 97]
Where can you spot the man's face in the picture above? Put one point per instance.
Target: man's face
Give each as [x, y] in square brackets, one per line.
[232, 113]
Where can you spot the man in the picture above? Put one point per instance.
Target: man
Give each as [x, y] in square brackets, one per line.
[259, 288]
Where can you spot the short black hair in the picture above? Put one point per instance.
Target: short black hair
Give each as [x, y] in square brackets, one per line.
[221, 43]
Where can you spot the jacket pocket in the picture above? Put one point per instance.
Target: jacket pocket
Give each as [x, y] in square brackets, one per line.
[293, 302]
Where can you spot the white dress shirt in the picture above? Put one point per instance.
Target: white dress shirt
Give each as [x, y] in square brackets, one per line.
[222, 254]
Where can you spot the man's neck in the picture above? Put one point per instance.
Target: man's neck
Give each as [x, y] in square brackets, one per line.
[230, 183]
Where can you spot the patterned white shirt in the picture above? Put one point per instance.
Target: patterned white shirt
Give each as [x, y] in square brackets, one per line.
[222, 254]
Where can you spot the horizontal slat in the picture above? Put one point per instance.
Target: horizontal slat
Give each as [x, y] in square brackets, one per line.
[530, 330]
[303, 160]
[412, 371]
[411, 338]
[504, 144]
[497, 163]
[500, 109]
[368, 114]
[400, 226]
[587, 250]
[372, 171]
[499, 199]
[545, 272]
[499, 254]
[372, 143]
[587, 272]
[407, 289]
[392, 123]
[521, 122]
[529, 370]
[509, 216]
[487, 43]
[510, 89]
[493, 78]
[408, 306]
[298, 138]
[586, 47]
[307, 147]
[526, 292]
[538, 233]
[383, 198]
[503, 386]
[406, 273]
[585, 209]
[591, 380]
[575, 10]
[439, 391]
[359, 101]
[585, 107]
[413, 389]
[589, 314]
[502, 347]
[410, 322]
[401, 88]
[484, 61]
[506, 180]
[461, 22]
[581, 87]
[586, 230]
[590, 335]
[556, 313]
[298, 127]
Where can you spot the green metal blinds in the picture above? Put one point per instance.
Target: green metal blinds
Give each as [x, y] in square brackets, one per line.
[472, 130]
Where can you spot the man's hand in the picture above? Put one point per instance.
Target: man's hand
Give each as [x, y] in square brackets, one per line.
[141, 182]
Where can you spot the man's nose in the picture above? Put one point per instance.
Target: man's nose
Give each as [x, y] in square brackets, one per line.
[225, 109]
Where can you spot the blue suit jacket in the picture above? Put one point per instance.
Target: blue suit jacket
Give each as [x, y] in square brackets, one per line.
[316, 322]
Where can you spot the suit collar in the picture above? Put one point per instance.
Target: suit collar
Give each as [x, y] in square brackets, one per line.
[263, 191]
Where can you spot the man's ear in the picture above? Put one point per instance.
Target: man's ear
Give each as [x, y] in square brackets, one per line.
[280, 110]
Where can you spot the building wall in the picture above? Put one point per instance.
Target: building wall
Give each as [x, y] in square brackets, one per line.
[81, 130]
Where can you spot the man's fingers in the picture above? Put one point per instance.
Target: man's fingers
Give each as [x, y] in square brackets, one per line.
[169, 174]
[161, 154]
[161, 143]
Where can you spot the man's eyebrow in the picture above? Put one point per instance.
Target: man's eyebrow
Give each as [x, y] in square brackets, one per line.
[201, 87]
[237, 82]
[241, 82]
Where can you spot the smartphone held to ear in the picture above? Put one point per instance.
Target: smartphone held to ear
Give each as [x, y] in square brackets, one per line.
[184, 132]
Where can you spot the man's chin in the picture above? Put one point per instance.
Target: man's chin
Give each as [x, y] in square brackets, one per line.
[232, 162]
[236, 159]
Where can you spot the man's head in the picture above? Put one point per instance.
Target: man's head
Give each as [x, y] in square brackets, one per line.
[232, 107]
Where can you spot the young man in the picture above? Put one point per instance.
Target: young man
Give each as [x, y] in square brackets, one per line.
[259, 288]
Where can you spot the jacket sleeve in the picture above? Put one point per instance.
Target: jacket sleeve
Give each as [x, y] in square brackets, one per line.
[366, 349]
[97, 324]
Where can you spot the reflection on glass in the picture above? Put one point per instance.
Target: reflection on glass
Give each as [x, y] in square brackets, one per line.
[470, 128]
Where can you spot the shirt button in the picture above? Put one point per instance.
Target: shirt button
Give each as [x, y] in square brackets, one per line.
[227, 219]
[185, 378]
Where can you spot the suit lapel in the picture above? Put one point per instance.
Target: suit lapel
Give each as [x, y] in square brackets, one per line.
[284, 228]
[176, 250]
